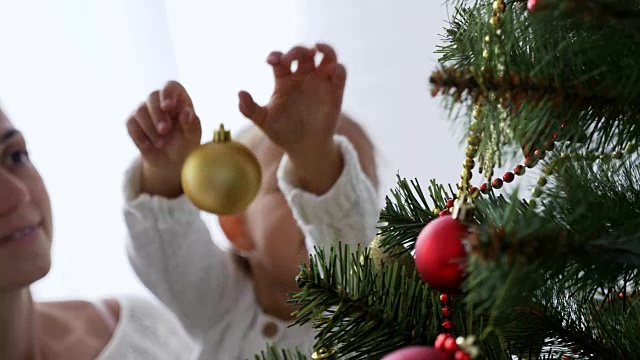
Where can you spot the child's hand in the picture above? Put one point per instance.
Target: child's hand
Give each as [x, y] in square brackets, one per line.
[166, 130]
[303, 113]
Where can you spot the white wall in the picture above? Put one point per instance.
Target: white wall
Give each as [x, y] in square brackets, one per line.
[70, 73]
[221, 48]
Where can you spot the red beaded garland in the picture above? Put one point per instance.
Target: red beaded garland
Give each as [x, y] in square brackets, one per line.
[530, 162]
[508, 177]
[446, 312]
[444, 212]
[450, 345]
[448, 325]
[445, 299]
[440, 339]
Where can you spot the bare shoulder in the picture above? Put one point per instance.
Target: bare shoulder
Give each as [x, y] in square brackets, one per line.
[114, 306]
[75, 307]
[77, 325]
[78, 309]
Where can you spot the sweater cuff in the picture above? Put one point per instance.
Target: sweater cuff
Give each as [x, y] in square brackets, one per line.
[331, 206]
[131, 184]
[151, 208]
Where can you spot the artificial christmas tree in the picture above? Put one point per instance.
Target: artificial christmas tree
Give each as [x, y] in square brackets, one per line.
[547, 87]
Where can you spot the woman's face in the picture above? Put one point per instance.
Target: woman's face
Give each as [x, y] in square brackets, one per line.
[25, 214]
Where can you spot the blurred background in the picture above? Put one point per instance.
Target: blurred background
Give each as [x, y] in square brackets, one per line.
[71, 72]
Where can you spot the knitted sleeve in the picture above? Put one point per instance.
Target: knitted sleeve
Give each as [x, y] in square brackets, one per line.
[171, 250]
[348, 212]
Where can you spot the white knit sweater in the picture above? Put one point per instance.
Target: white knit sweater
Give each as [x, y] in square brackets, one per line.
[172, 252]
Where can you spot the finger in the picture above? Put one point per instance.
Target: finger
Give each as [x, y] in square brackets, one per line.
[294, 54]
[337, 74]
[275, 60]
[142, 141]
[190, 124]
[251, 110]
[306, 61]
[143, 119]
[328, 54]
[160, 118]
[175, 98]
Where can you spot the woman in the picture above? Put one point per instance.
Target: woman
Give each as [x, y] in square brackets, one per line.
[74, 330]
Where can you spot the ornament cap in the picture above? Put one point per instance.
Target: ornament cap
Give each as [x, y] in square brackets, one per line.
[222, 134]
[325, 354]
[463, 207]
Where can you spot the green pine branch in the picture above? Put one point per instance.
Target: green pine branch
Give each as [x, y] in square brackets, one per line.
[574, 324]
[536, 267]
[360, 312]
[404, 215]
[545, 72]
[624, 15]
[274, 353]
[609, 190]
[366, 313]
[517, 251]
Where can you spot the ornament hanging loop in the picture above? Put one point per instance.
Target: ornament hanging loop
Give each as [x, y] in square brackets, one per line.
[462, 207]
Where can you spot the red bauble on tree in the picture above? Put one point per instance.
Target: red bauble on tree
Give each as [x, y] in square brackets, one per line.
[440, 254]
[531, 5]
[418, 353]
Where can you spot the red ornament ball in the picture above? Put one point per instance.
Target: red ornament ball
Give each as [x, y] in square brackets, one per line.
[440, 254]
[531, 4]
[417, 353]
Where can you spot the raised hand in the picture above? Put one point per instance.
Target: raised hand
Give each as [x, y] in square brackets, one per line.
[166, 129]
[303, 112]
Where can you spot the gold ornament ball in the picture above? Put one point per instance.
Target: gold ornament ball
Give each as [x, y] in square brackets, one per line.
[404, 257]
[222, 176]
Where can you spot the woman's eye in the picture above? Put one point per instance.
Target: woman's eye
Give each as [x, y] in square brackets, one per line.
[18, 157]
